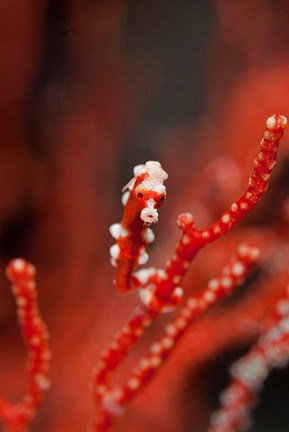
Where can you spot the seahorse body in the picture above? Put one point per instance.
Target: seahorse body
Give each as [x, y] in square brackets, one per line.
[144, 193]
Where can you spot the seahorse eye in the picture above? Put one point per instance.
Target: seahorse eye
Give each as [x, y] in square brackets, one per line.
[140, 195]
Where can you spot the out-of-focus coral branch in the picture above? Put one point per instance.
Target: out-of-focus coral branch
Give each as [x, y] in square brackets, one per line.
[249, 373]
[18, 416]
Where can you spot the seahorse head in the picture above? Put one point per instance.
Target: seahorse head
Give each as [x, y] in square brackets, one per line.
[149, 189]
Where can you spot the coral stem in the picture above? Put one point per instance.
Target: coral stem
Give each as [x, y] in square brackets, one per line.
[17, 416]
[110, 401]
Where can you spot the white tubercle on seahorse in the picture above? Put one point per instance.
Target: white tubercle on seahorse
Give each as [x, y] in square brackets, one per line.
[117, 230]
[148, 235]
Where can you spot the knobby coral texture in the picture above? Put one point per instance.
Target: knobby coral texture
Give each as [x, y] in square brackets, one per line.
[249, 373]
[16, 417]
[88, 90]
[160, 292]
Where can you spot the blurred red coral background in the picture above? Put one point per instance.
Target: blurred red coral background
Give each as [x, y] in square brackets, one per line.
[87, 90]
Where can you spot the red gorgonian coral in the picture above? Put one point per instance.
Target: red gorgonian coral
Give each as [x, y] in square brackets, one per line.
[160, 291]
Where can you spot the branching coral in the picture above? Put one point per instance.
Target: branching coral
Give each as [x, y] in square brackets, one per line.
[160, 291]
[18, 416]
[249, 373]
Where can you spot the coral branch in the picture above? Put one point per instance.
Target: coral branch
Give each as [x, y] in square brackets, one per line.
[124, 341]
[193, 239]
[249, 373]
[17, 416]
[111, 401]
[160, 290]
